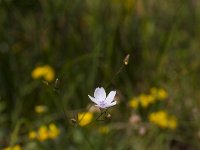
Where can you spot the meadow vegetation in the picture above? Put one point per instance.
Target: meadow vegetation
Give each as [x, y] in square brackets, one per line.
[54, 53]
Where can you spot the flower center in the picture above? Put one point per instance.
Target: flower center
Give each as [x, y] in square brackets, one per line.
[102, 104]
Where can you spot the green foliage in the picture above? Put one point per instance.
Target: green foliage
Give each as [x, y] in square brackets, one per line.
[85, 42]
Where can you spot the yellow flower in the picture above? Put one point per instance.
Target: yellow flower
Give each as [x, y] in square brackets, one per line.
[145, 100]
[159, 118]
[150, 98]
[40, 109]
[163, 120]
[85, 118]
[45, 72]
[104, 129]
[16, 147]
[133, 103]
[32, 135]
[53, 131]
[162, 94]
[49, 73]
[37, 73]
[43, 133]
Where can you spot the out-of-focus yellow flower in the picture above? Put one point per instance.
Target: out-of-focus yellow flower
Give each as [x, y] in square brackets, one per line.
[85, 118]
[45, 72]
[133, 103]
[104, 129]
[53, 131]
[159, 118]
[16, 147]
[32, 135]
[163, 120]
[145, 100]
[43, 133]
[41, 109]
[151, 99]
[160, 94]
[37, 73]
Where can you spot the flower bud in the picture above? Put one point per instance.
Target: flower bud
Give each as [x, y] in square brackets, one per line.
[126, 59]
[73, 121]
[108, 116]
[57, 84]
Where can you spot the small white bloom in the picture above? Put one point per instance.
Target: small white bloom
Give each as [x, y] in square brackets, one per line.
[101, 100]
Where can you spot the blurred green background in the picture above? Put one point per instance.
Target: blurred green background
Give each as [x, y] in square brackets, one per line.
[85, 43]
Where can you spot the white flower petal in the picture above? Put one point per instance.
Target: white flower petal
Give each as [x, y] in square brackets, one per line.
[93, 99]
[110, 97]
[101, 100]
[112, 104]
[100, 94]
[97, 92]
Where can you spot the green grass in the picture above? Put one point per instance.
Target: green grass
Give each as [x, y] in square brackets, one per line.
[85, 41]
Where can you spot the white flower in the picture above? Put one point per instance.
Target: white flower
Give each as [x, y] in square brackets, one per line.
[101, 100]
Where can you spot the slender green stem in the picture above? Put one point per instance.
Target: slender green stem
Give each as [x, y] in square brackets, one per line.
[116, 74]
